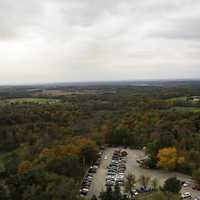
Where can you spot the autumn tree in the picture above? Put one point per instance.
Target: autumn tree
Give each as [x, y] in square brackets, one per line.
[169, 159]
[24, 167]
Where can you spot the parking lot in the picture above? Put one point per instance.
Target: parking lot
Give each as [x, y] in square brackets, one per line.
[99, 179]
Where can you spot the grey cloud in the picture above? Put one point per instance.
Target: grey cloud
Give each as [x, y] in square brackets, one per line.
[184, 29]
[15, 15]
[74, 40]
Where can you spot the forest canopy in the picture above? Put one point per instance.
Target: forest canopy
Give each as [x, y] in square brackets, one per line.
[47, 146]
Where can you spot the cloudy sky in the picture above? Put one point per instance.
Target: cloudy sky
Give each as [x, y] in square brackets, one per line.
[94, 40]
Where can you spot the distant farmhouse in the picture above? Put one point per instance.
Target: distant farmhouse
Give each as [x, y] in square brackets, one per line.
[196, 99]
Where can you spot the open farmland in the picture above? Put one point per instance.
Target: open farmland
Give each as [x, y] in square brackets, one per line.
[182, 98]
[68, 92]
[185, 109]
[31, 100]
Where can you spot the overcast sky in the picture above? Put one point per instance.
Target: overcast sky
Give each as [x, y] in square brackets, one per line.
[94, 40]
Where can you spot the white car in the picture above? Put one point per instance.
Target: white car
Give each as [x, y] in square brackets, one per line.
[135, 192]
[186, 195]
[197, 198]
[186, 184]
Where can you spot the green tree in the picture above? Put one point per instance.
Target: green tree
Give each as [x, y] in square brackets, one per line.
[4, 192]
[68, 166]
[94, 197]
[107, 195]
[117, 193]
[172, 185]
[89, 153]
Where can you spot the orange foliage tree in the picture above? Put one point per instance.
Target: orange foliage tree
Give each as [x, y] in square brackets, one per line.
[24, 167]
[169, 159]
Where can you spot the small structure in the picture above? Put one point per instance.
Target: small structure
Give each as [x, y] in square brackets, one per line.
[196, 99]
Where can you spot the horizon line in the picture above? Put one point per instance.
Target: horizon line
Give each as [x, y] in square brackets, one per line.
[97, 82]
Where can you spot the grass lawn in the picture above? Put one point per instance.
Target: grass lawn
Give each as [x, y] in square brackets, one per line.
[156, 195]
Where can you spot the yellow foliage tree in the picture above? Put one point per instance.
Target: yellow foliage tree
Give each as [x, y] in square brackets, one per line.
[169, 159]
[24, 167]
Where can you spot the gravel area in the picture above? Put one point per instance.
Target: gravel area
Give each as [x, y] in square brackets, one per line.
[98, 183]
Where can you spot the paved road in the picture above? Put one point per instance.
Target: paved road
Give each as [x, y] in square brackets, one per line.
[98, 183]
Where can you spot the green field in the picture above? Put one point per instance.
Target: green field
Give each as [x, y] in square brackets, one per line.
[185, 109]
[31, 100]
[151, 196]
[183, 98]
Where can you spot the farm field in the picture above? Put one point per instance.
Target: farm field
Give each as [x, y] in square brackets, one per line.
[66, 93]
[185, 109]
[182, 98]
[31, 100]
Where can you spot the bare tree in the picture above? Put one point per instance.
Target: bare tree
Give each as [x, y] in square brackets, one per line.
[130, 184]
[144, 180]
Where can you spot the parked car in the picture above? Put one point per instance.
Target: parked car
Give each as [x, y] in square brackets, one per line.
[196, 187]
[135, 192]
[124, 153]
[98, 162]
[197, 198]
[84, 191]
[120, 183]
[186, 184]
[186, 195]
[143, 189]
[86, 184]
[111, 173]
[93, 169]
[102, 148]
[110, 183]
